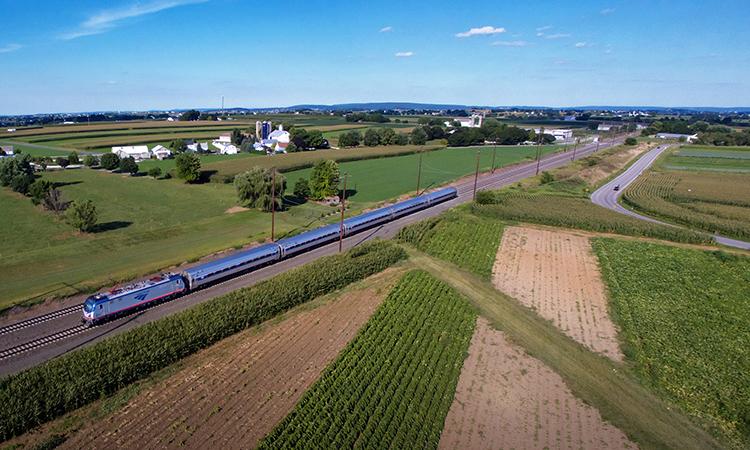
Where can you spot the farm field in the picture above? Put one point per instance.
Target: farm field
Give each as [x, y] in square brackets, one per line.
[394, 383]
[233, 393]
[715, 159]
[508, 399]
[686, 323]
[380, 179]
[555, 274]
[708, 201]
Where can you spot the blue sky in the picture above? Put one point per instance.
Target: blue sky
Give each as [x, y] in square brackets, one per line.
[167, 54]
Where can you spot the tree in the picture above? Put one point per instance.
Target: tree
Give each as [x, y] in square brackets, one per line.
[178, 145]
[387, 136]
[401, 139]
[73, 158]
[418, 136]
[39, 190]
[17, 168]
[110, 161]
[631, 141]
[82, 215]
[62, 162]
[190, 115]
[237, 137]
[55, 202]
[255, 186]
[154, 172]
[302, 188]
[291, 148]
[351, 138]
[372, 138]
[22, 183]
[547, 177]
[90, 161]
[188, 166]
[324, 179]
[128, 165]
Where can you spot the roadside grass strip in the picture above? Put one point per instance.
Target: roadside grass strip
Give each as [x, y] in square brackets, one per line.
[685, 319]
[49, 390]
[394, 383]
[612, 388]
[466, 241]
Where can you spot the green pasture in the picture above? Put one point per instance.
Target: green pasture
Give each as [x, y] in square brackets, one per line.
[716, 159]
[144, 225]
[386, 178]
[40, 151]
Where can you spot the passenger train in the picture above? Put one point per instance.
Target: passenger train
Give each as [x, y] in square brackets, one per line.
[101, 307]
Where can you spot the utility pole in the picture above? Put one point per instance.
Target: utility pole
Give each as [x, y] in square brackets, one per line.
[273, 200]
[539, 150]
[476, 176]
[419, 175]
[343, 206]
[493, 156]
[574, 149]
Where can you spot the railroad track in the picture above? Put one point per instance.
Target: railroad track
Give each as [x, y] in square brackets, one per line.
[39, 319]
[41, 342]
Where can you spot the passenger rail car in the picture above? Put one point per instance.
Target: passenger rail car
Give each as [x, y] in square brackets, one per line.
[100, 307]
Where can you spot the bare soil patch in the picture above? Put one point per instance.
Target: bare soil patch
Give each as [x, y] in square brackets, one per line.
[557, 275]
[235, 392]
[235, 209]
[507, 399]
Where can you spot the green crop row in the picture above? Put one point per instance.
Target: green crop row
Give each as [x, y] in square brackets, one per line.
[654, 194]
[466, 241]
[49, 390]
[685, 319]
[393, 385]
[583, 215]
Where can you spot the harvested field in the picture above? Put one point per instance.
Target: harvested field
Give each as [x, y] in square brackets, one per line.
[557, 275]
[507, 399]
[233, 394]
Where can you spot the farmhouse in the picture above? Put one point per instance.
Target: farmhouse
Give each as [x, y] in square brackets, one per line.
[8, 149]
[138, 152]
[276, 142]
[161, 152]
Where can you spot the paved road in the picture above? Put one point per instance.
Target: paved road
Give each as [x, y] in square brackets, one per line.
[501, 177]
[607, 197]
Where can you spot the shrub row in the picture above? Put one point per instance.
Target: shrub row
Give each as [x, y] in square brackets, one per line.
[47, 391]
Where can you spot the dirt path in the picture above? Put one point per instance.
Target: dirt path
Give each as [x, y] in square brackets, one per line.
[556, 274]
[506, 399]
[234, 393]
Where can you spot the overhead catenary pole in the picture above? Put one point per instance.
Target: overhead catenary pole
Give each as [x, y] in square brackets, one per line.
[419, 175]
[476, 176]
[539, 151]
[273, 200]
[343, 206]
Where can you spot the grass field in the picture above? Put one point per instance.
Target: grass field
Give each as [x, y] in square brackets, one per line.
[381, 179]
[684, 314]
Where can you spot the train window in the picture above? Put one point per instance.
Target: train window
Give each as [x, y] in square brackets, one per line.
[101, 306]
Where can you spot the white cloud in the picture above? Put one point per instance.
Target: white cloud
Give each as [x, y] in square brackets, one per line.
[405, 54]
[544, 28]
[557, 36]
[511, 44]
[608, 52]
[540, 34]
[607, 11]
[386, 29]
[106, 20]
[483, 30]
[10, 48]
[581, 44]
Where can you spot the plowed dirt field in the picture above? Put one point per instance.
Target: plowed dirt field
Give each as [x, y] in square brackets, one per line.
[234, 393]
[506, 399]
[557, 275]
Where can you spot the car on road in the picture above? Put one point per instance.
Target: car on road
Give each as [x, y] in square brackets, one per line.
[617, 188]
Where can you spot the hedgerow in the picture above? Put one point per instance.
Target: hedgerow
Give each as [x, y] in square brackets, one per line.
[394, 383]
[44, 392]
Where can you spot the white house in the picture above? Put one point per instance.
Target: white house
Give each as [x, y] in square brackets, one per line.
[8, 149]
[474, 122]
[195, 146]
[161, 152]
[225, 148]
[559, 134]
[688, 137]
[138, 152]
[225, 138]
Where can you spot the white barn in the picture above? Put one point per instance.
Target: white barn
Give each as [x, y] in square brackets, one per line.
[161, 152]
[138, 152]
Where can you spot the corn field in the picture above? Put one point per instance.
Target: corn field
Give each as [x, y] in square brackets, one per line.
[394, 383]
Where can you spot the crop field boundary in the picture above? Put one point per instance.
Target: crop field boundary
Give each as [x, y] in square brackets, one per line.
[599, 382]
